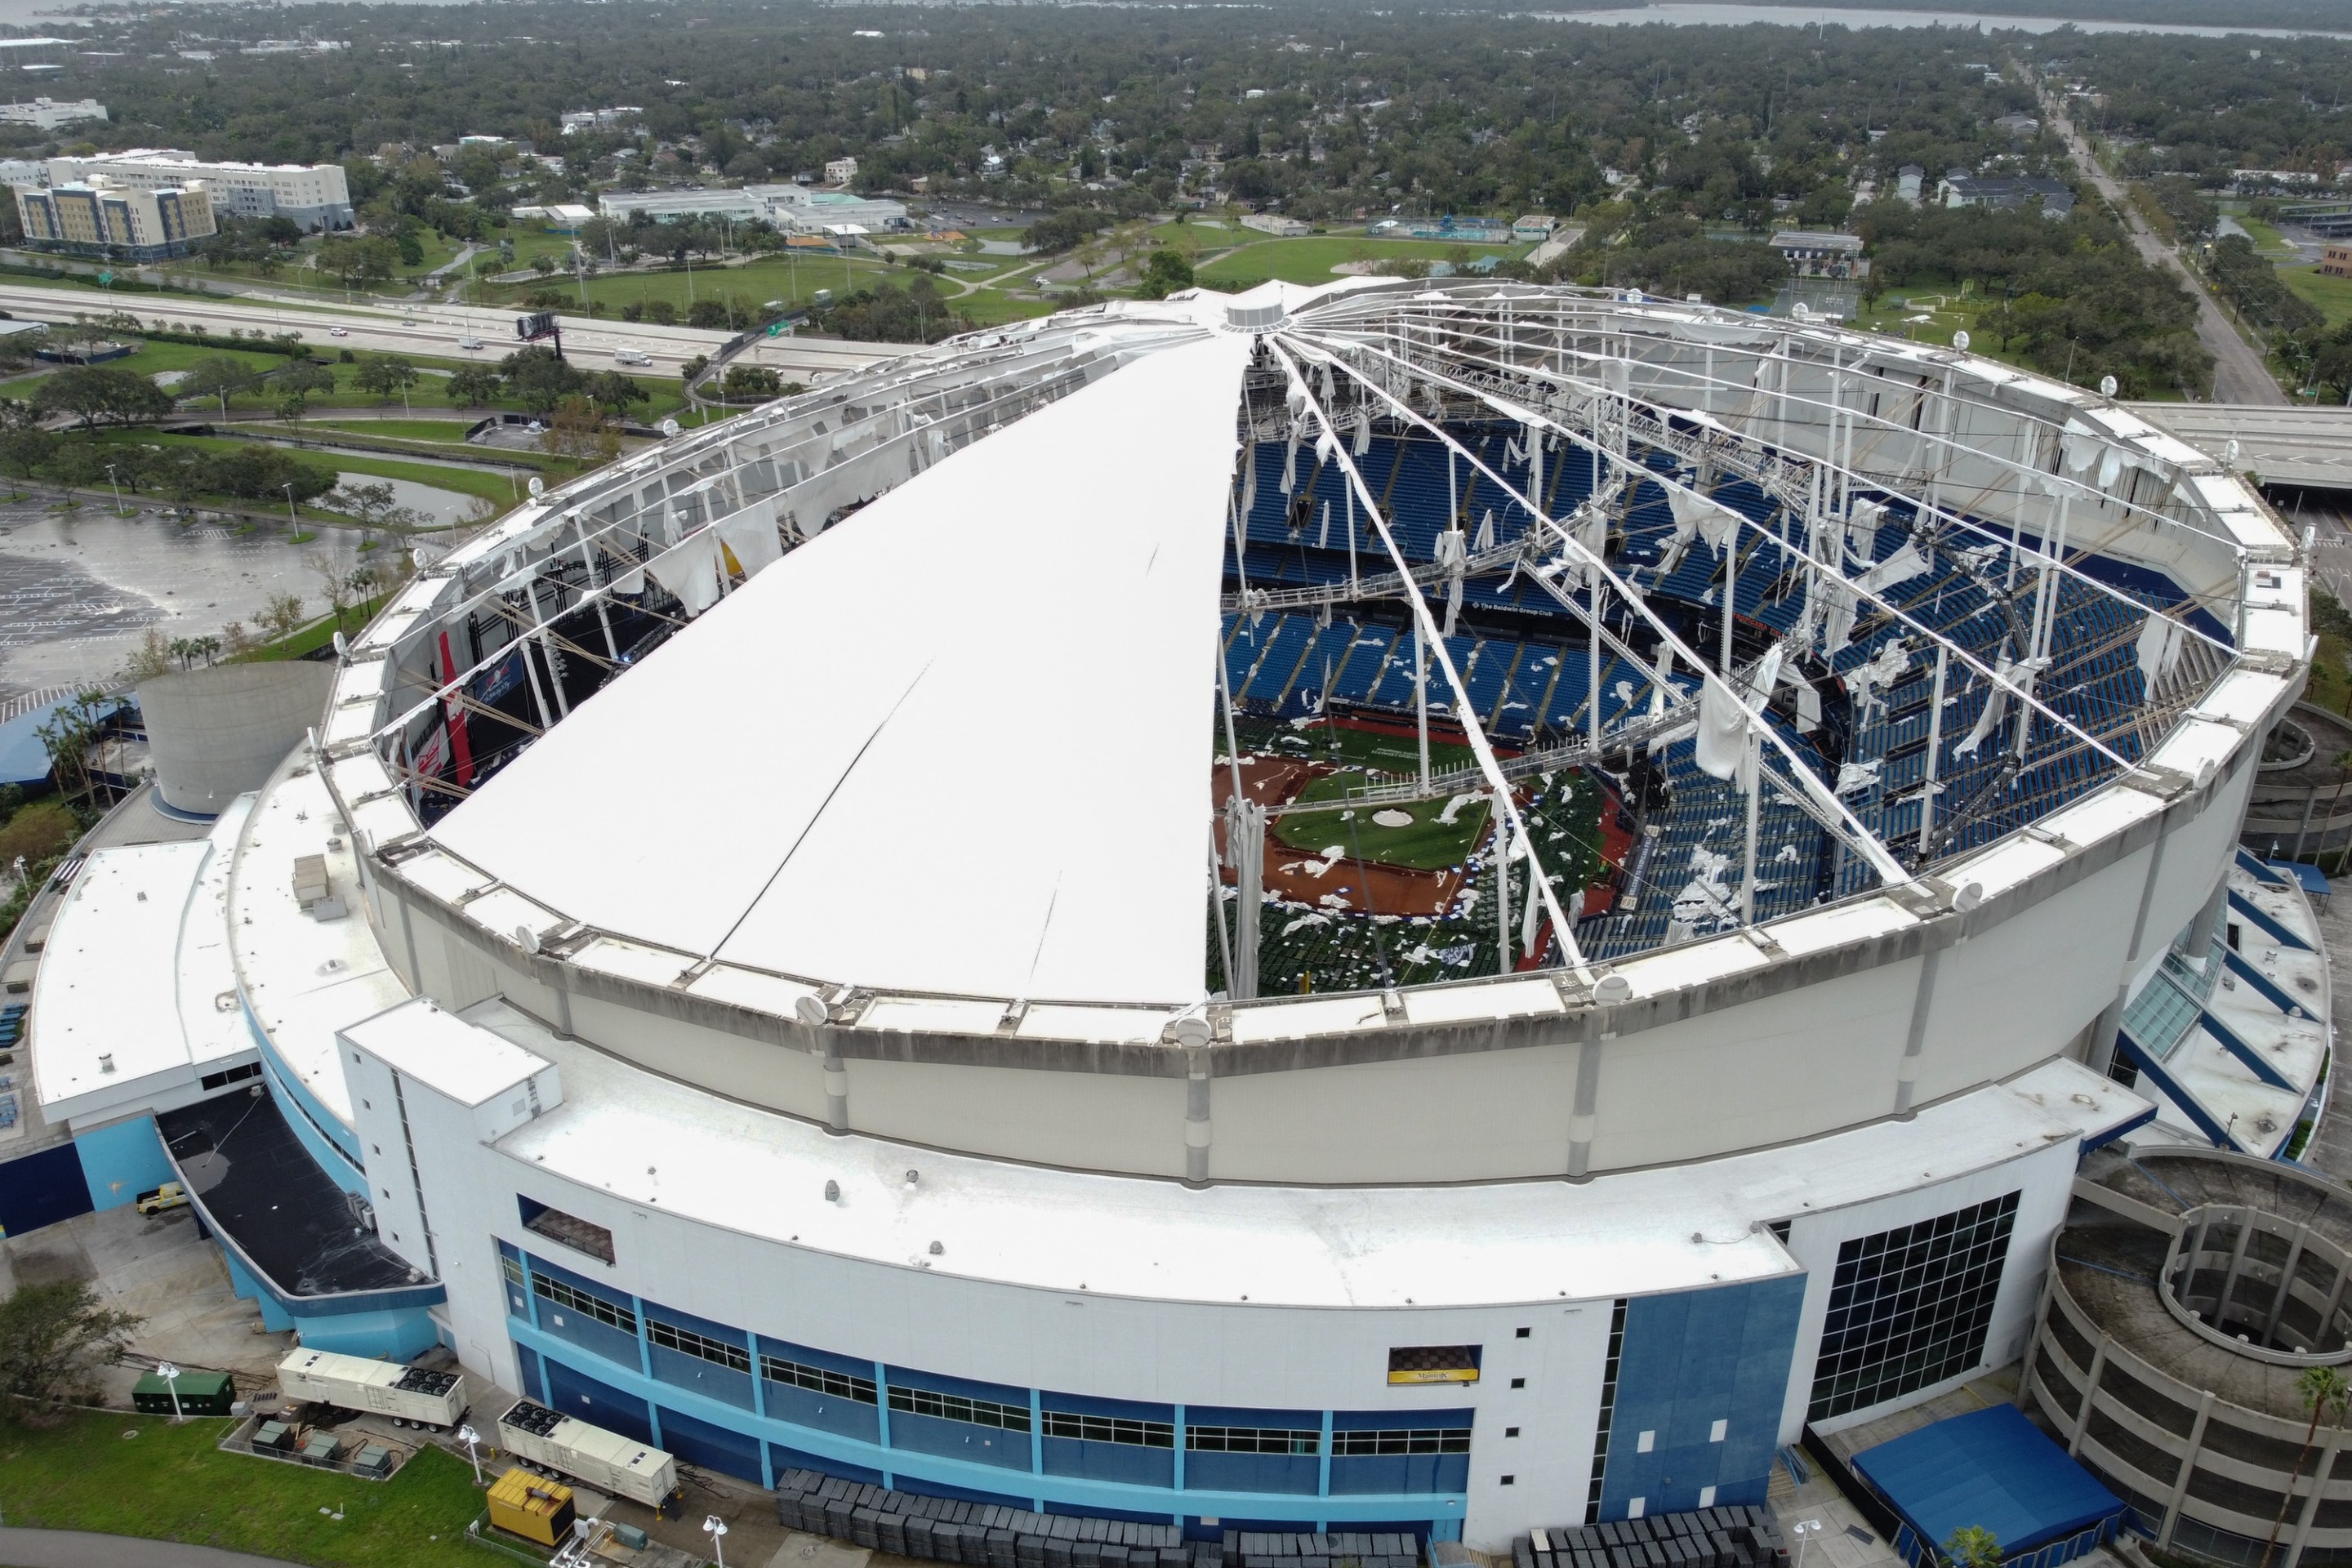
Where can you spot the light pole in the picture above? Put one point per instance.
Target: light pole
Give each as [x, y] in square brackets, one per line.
[171, 1376]
[716, 1528]
[471, 1438]
[291, 521]
[1806, 1530]
[117, 487]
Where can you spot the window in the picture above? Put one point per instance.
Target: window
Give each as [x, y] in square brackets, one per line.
[1252, 1440]
[1420, 1440]
[512, 1269]
[818, 1379]
[1608, 1409]
[1510, 1480]
[1522, 1333]
[1910, 1306]
[212, 1080]
[1110, 1429]
[955, 1407]
[574, 1233]
[1433, 1364]
[1510, 1431]
[612, 1314]
[685, 1342]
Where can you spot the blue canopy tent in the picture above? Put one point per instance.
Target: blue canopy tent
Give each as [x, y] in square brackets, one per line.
[1995, 1470]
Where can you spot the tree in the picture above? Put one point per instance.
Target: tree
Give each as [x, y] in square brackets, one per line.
[472, 386]
[280, 614]
[358, 262]
[611, 391]
[1166, 272]
[215, 376]
[745, 382]
[2323, 1391]
[577, 431]
[537, 379]
[1973, 1546]
[386, 376]
[95, 391]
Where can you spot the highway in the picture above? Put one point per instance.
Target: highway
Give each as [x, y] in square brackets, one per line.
[2300, 446]
[431, 329]
[2238, 374]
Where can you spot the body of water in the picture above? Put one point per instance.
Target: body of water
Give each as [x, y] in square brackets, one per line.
[1703, 14]
[79, 590]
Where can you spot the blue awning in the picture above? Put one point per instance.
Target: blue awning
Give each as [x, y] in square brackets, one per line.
[24, 760]
[1990, 1468]
[2314, 880]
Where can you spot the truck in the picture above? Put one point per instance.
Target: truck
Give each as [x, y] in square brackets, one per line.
[155, 1200]
[411, 1395]
[607, 1461]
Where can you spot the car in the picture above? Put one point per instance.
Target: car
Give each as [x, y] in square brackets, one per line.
[469, 343]
[338, 332]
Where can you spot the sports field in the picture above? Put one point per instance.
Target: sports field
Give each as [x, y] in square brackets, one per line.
[1433, 835]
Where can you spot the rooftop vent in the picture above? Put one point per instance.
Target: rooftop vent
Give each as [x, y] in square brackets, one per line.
[1245, 315]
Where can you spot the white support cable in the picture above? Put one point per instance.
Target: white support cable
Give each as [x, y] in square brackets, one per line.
[1472, 729]
[1885, 607]
[1868, 843]
[2040, 478]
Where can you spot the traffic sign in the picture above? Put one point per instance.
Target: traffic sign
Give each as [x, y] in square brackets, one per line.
[775, 328]
[106, 278]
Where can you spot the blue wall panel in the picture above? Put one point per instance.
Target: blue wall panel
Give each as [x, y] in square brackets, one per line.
[1111, 1461]
[711, 1447]
[1400, 1473]
[1691, 1360]
[959, 1439]
[42, 1189]
[707, 1378]
[120, 1162]
[534, 1382]
[571, 1393]
[785, 1459]
[1207, 1472]
[826, 1412]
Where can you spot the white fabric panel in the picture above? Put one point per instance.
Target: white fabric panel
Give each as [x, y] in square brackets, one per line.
[960, 742]
[751, 533]
[690, 571]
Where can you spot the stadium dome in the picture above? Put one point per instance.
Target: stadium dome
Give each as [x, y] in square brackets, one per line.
[1417, 911]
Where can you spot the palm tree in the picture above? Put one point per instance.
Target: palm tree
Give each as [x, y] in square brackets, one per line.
[2324, 1389]
[1973, 1546]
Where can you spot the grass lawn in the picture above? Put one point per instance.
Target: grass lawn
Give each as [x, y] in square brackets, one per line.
[1310, 260]
[171, 1483]
[755, 283]
[2332, 295]
[309, 640]
[445, 430]
[497, 487]
[1423, 842]
[2267, 238]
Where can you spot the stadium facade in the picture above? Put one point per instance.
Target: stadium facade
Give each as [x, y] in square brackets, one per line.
[1445, 908]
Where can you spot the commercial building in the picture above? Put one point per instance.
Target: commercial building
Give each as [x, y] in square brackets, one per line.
[2336, 260]
[129, 223]
[1961, 189]
[315, 195]
[795, 209]
[47, 113]
[1011, 1082]
[1814, 254]
[1277, 225]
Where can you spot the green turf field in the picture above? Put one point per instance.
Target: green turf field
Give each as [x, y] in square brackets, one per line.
[1423, 844]
[140, 1475]
[2332, 295]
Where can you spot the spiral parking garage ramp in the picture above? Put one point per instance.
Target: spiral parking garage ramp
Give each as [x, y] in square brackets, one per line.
[1450, 871]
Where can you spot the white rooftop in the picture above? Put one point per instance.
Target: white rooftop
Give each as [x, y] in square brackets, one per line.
[874, 739]
[304, 978]
[442, 1052]
[762, 1174]
[136, 978]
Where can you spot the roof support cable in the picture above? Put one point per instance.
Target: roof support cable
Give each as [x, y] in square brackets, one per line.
[1851, 827]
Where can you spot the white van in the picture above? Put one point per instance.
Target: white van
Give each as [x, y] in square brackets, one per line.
[469, 343]
[632, 357]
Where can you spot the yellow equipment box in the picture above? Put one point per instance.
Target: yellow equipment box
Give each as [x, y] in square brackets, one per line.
[532, 1507]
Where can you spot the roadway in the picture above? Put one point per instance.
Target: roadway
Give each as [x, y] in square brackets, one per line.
[433, 328]
[87, 1549]
[2239, 373]
[2298, 446]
